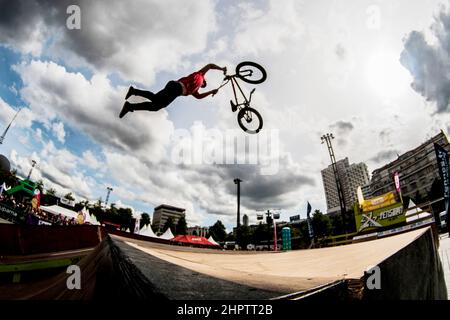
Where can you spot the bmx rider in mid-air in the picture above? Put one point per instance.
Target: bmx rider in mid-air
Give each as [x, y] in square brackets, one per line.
[185, 86]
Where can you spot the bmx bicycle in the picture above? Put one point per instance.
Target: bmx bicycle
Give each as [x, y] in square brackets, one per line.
[248, 118]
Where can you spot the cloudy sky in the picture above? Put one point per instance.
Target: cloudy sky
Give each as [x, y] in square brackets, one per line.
[374, 73]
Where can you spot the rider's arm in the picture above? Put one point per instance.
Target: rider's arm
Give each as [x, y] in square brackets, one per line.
[213, 66]
[204, 94]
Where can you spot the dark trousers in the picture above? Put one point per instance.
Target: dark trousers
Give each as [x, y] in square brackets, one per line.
[160, 100]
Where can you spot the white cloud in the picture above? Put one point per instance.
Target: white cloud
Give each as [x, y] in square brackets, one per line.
[58, 131]
[269, 30]
[91, 160]
[88, 105]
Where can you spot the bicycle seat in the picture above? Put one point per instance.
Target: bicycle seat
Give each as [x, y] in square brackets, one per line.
[233, 106]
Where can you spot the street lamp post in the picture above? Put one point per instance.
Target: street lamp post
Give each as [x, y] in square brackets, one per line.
[31, 170]
[270, 219]
[107, 195]
[238, 222]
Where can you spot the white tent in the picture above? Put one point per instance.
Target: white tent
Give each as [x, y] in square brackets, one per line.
[167, 235]
[88, 218]
[60, 210]
[416, 213]
[211, 239]
[147, 231]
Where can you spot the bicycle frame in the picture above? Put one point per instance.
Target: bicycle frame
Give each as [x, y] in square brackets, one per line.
[235, 85]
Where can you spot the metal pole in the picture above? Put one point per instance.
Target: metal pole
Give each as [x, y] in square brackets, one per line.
[107, 194]
[327, 138]
[238, 222]
[31, 170]
[275, 240]
[2, 137]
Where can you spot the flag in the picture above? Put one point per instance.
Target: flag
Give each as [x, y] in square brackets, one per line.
[308, 210]
[36, 202]
[310, 227]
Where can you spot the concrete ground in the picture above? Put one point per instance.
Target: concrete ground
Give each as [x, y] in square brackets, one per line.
[283, 271]
[444, 252]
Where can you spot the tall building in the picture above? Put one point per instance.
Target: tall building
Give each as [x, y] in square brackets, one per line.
[351, 176]
[162, 214]
[245, 220]
[417, 170]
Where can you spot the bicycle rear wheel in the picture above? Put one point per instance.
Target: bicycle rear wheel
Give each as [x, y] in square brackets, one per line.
[250, 120]
[251, 72]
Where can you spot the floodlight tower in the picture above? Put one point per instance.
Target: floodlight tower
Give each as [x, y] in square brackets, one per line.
[327, 139]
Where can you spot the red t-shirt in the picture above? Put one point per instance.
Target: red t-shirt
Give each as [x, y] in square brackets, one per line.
[192, 82]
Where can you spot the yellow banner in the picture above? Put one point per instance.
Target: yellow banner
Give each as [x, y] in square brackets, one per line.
[384, 200]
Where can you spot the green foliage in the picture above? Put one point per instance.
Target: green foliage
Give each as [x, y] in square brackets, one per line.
[80, 205]
[169, 224]
[245, 236]
[321, 224]
[218, 231]
[69, 196]
[9, 178]
[181, 227]
[50, 192]
[145, 220]
[40, 185]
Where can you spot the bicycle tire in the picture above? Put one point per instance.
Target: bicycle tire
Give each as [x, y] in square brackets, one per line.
[240, 116]
[254, 65]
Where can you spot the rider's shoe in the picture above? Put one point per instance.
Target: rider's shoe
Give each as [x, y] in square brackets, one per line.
[129, 93]
[233, 106]
[125, 109]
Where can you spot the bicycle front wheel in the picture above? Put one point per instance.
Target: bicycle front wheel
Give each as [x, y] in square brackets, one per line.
[251, 72]
[250, 120]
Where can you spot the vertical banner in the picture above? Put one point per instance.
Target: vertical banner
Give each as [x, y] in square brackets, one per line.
[397, 185]
[397, 182]
[442, 160]
[310, 228]
[36, 201]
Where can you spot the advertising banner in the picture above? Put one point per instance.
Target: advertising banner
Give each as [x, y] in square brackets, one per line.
[397, 182]
[382, 201]
[379, 218]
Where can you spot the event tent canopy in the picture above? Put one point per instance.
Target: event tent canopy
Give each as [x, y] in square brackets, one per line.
[167, 235]
[147, 231]
[194, 240]
[211, 239]
[60, 210]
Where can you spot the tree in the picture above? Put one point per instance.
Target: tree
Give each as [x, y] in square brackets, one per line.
[245, 236]
[50, 192]
[40, 185]
[81, 204]
[145, 220]
[321, 224]
[260, 234]
[69, 196]
[181, 226]
[169, 224]
[9, 178]
[218, 231]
